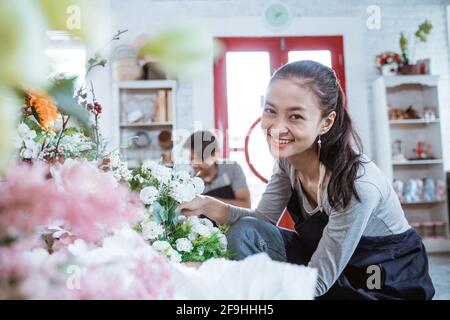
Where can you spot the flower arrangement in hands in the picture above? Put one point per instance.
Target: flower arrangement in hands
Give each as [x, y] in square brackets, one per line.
[181, 239]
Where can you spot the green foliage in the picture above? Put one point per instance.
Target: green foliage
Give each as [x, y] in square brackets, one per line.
[404, 48]
[62, 95]
[423, 31]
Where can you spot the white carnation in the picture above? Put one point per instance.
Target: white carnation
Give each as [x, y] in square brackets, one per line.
[184, 244]
[31, 150]
[181, 192]
[182, 176]
[161, 246]
[148, 195]
[223, 241]
[161, 173]
[193, 220]
[115, 160]
[201, 229]
[174, 256]
[25, 133]
[199, 186]
[207, 223]
[152, 230]
[192, 236]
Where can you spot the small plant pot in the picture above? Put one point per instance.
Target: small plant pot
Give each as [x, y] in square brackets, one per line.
[410, 69]
[165, 139]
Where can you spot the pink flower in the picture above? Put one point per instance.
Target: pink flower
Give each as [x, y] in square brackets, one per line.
[27, 199]
[90, 202]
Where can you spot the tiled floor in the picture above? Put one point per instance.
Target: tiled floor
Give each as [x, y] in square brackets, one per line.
[440, 274]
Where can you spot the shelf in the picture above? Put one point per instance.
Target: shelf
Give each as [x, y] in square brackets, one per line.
[413, 121]
[147, 84]
[146, 125]
[435, 245]
[416, 162]
[398, 80]
[422, 203]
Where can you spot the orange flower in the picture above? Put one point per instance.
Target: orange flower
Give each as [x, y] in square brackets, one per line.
[43, 108]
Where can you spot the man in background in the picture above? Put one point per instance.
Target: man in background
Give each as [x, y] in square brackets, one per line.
[223, 180]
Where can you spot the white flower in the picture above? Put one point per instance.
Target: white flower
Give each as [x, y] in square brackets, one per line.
[182, 176]
[223, 241]
[115, 160]
[148, 165]
[78, 248]
[25, 133]
[192, 236]
[192, 220]
[184, 244]
[162, 246]
[207, 223]
[199, 186]
[174, 256]
[181, 192]
[201, 229]
[152, 230]
[160, 172]
[31, 150]
[148, 195]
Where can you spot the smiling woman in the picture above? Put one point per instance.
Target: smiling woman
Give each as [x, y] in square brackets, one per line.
[343, 206]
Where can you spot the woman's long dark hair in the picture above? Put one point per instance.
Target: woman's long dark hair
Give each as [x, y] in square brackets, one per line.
[341, 146]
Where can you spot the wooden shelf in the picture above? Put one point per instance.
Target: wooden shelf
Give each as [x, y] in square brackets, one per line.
[419, 91]
[423, 203]
[413, 121]
[435, 245]
[398, 80]
[146, 125]
[147, 84]
[416, 162]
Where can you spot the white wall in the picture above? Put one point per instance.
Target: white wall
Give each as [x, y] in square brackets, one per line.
[312, 17]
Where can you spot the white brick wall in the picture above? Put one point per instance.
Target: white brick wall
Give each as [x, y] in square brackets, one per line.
[146, 16]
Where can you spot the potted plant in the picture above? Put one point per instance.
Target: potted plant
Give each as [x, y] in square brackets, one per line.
[388, 63]
[420, 35]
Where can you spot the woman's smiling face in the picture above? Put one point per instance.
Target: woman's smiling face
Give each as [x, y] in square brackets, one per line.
[291, 119]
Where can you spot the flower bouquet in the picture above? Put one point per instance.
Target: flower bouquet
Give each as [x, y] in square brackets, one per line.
[45, 134]
[388, 62]
[181, 239]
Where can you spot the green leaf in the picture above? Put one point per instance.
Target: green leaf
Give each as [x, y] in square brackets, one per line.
[62, 93]
[33, 125]
[137, 228]
[159, 213]
[172, 213]
[70, 131]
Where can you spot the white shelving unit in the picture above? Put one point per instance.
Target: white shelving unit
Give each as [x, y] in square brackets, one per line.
[418, 91]
[142, 110]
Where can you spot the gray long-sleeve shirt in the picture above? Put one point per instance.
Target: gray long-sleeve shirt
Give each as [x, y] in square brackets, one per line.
[378, 213]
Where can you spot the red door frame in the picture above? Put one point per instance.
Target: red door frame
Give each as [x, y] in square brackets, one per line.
[278, 48]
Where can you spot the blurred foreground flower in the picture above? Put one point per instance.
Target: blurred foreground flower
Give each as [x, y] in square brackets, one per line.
[23, 26]
[9, 110]
[122, 267]
[89, 201]
[181, 51]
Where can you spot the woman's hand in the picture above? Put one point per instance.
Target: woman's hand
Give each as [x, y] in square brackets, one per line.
[203, 205]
